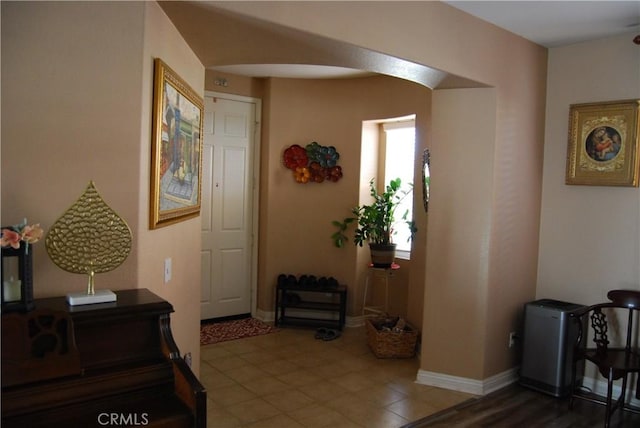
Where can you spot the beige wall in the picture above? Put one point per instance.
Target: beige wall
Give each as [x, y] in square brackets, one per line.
[65, 124]
[295, 237]
[181, 241]
[458, 231]
[581, 257]
[76, 106]
[516, 69]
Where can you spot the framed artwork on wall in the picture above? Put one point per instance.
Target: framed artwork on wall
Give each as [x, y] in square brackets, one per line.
[176, 149]
[603, 144]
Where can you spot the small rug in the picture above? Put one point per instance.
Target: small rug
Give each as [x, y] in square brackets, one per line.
[232, 330]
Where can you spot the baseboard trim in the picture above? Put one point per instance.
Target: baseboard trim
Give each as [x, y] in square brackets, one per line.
[470, 386]
[599, 387]
[264, 316]
[501, 380]
[357, 321]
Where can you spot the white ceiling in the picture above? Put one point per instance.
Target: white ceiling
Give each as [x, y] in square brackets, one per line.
[547, 23]
[557, 23]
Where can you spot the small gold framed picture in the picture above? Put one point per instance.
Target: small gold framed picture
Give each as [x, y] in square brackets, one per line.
[603, 144]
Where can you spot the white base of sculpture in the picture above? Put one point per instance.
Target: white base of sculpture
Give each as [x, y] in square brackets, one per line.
[100, 296]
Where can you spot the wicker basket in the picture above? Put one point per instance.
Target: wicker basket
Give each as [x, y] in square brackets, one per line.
[389, 344]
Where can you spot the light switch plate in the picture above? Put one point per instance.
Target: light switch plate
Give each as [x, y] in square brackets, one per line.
[167, 270]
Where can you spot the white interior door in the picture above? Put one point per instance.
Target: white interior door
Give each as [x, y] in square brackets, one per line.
[227, 206]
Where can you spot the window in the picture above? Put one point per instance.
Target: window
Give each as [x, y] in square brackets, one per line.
[399, 161]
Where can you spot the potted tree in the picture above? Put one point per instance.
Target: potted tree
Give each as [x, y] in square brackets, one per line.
[374, 223]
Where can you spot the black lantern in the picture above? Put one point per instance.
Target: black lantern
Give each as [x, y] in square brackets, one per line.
[17, 278]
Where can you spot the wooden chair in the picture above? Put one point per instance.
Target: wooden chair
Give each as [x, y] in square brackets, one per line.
[613, 362]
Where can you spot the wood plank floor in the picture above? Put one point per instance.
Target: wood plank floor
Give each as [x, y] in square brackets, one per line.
[519, 407]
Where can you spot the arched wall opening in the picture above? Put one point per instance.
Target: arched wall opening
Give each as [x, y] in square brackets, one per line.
[507, 90]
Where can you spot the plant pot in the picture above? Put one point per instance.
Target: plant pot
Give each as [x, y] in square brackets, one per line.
[382, 255]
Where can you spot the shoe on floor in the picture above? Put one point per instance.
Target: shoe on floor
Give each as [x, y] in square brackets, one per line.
[331, 334]
[321, 333]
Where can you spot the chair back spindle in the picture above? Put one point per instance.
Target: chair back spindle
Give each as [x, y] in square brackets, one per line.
[600, 330]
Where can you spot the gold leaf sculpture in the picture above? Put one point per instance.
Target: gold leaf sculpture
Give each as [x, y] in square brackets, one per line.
[89, 237]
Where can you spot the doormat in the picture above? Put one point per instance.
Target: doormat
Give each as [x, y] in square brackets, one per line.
[232, 330]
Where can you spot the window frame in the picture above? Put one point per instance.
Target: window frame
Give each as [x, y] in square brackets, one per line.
[408, 122]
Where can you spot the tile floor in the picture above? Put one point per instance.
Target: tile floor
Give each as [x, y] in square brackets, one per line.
[290, 379]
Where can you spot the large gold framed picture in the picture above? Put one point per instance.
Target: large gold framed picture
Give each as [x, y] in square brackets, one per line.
[603, 144]
[176, 149]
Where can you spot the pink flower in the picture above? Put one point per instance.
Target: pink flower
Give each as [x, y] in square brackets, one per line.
[10, 238]
[32, 234]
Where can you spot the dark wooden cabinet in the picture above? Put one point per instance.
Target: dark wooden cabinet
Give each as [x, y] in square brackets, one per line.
[96, 365]
[304, 306]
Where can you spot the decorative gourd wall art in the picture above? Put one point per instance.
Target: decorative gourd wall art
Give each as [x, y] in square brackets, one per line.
[313, 163]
